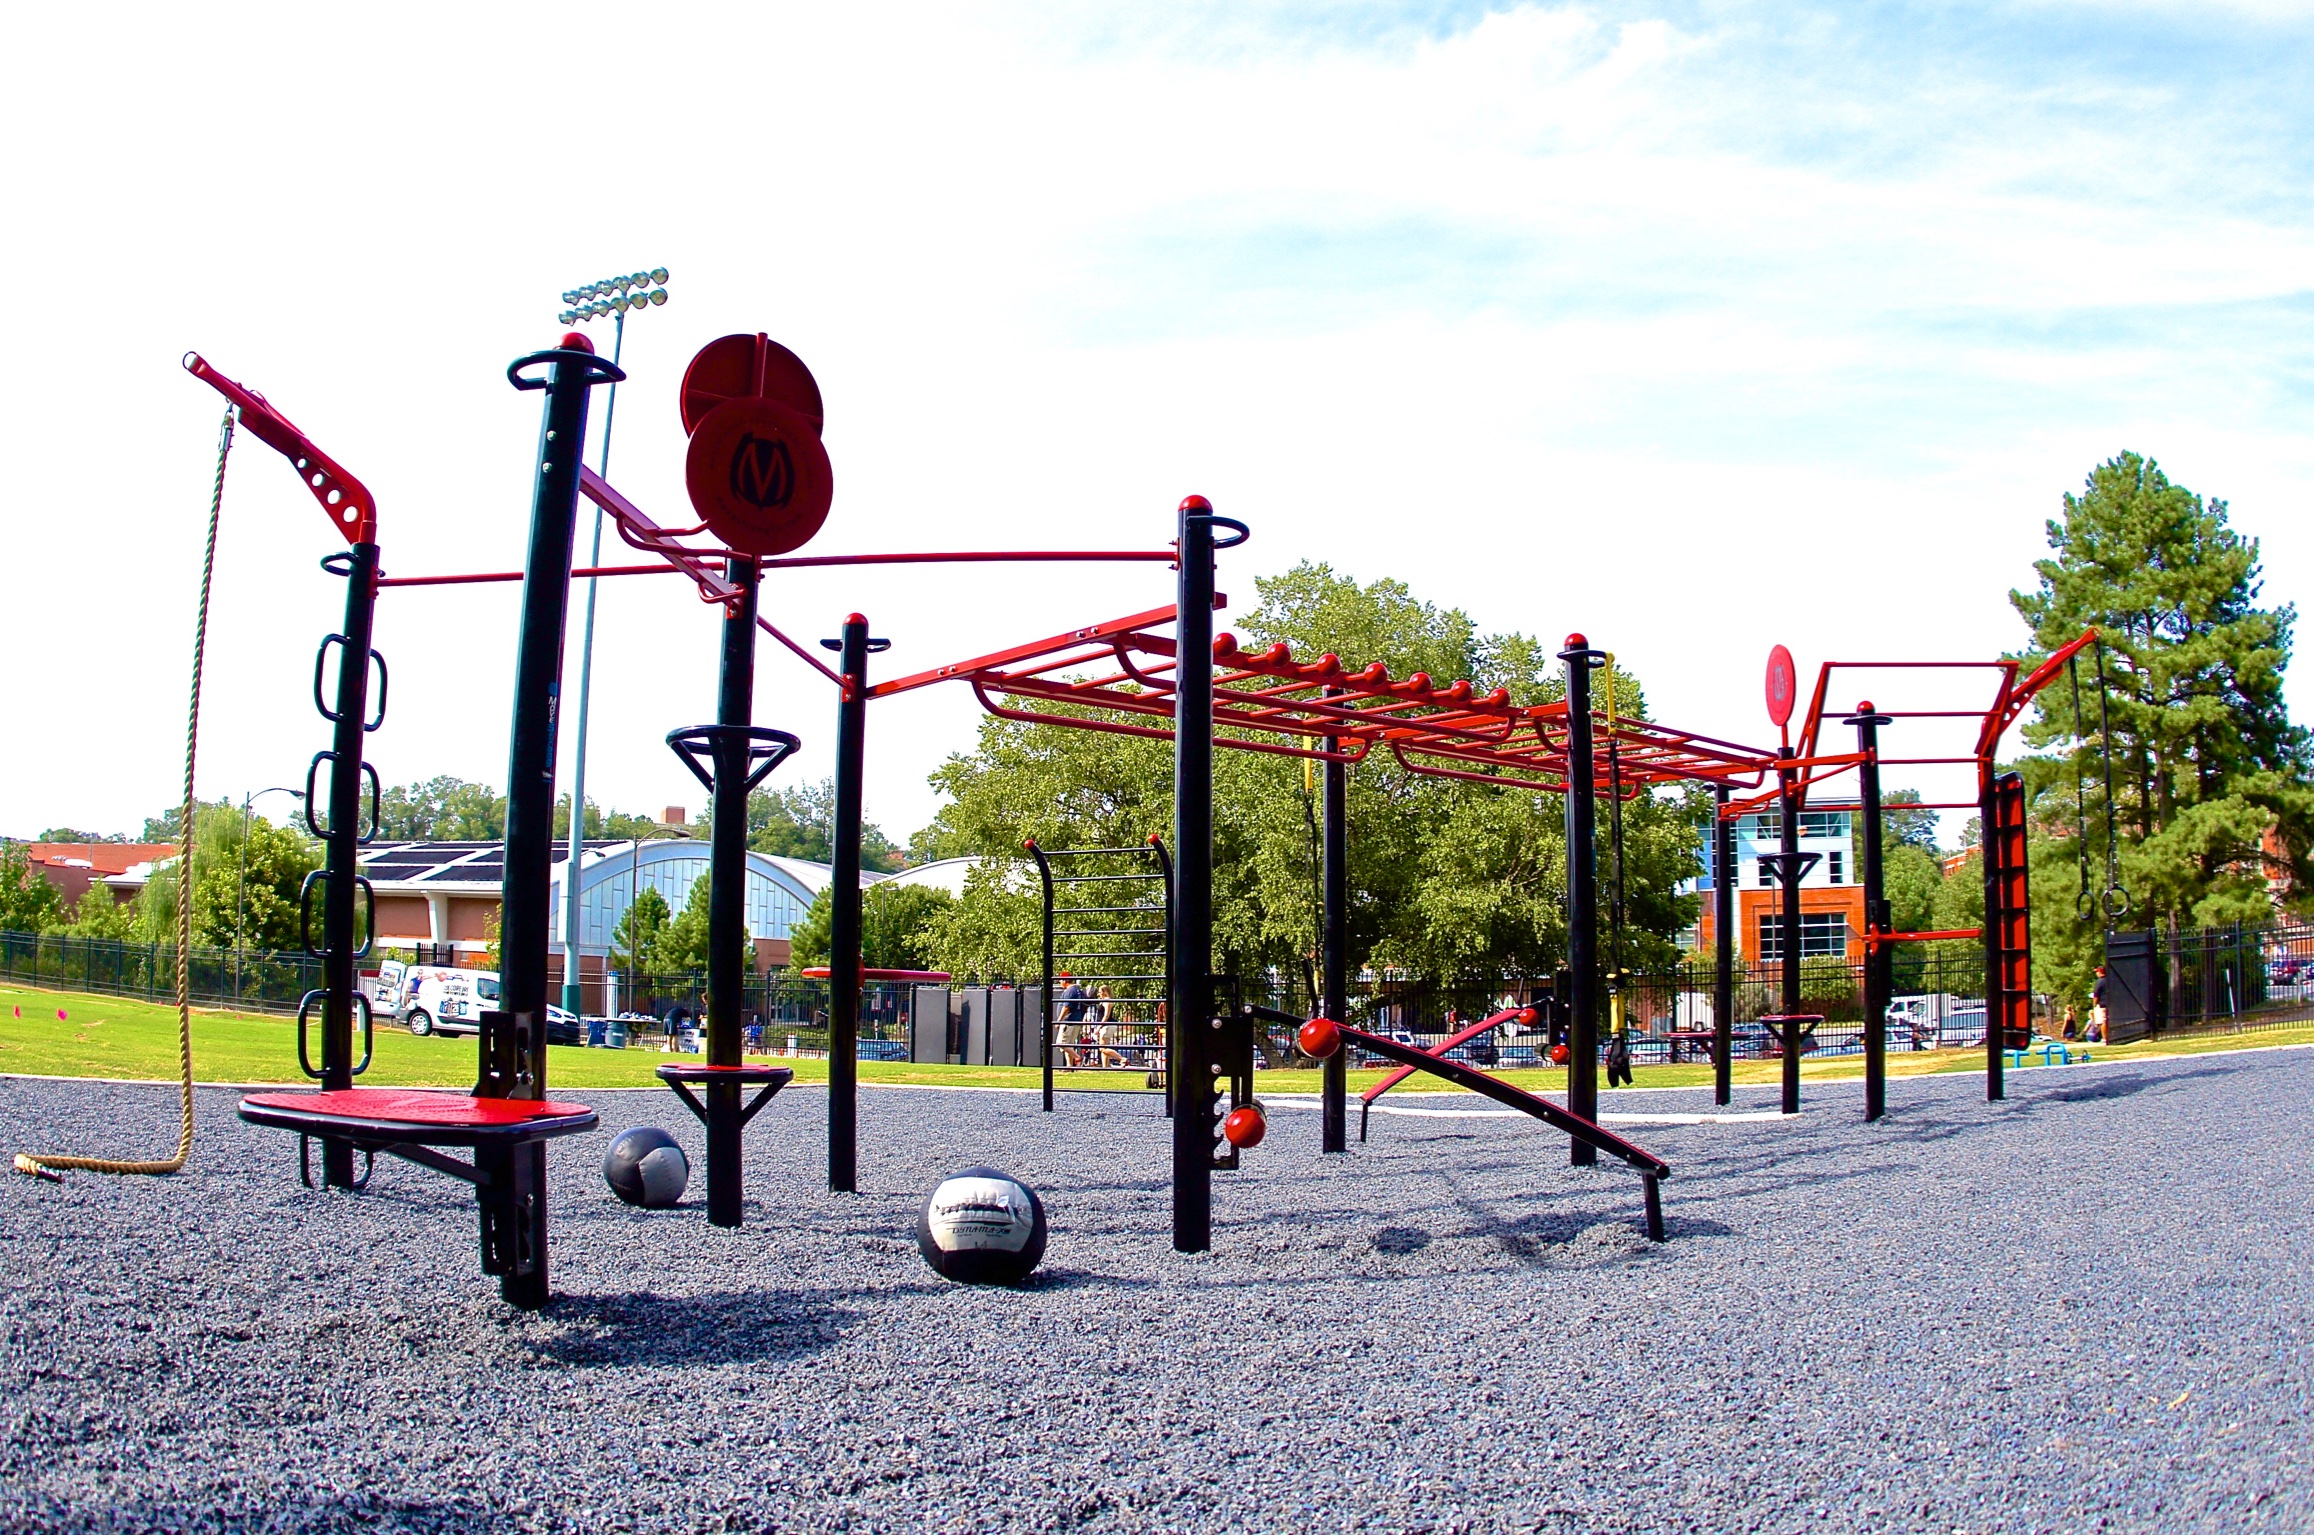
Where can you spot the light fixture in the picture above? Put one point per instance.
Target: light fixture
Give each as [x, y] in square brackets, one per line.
[619, 296]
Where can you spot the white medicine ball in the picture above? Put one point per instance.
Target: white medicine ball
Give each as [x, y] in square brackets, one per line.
[982, 1227]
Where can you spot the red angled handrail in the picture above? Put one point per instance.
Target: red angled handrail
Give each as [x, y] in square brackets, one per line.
[346, 501]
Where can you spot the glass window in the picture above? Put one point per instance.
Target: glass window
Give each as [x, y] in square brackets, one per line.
[1821, 933]
[1835, 864]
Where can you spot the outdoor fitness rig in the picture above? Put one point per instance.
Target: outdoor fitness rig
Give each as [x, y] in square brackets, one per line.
[508, 1118]
[1146, 975]
[2000, 805]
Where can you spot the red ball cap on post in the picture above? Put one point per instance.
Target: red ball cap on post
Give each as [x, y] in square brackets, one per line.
[1866, 707]
[1319, 1038]
[1244, 1128]
[1195, 504]
[1577, 642]
[576, 341]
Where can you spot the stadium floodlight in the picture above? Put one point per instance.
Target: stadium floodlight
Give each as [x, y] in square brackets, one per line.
[617, 297]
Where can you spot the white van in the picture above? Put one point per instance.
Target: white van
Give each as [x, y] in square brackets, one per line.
[442, 999]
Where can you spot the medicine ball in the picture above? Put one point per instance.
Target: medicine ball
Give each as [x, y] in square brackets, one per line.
[982, 1227]
[645, 1167]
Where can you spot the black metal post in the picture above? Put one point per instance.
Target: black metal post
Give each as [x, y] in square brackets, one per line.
[727, 943]
[1723, 905]
[1192, 1051]
[1788, 875]
[1879, 957]
[1991, 846]
[844, 914]
[513, 1047]
[1582, 897]
[1334, 962]
[341, 837]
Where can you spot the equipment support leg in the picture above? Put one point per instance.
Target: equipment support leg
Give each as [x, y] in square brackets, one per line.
[1335, 1084]
[1723, 901]
[1582, 898]
[1193, 1052]
[844, 912]
[728, 959]
[1879, 958]
[1788, 926]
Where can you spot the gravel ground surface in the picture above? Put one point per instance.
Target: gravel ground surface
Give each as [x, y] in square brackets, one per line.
[2083, 1309]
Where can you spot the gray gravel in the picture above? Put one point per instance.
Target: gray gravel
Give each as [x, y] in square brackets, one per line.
[2083, 1309]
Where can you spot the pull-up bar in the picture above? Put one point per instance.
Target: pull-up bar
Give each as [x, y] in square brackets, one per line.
[949, 557]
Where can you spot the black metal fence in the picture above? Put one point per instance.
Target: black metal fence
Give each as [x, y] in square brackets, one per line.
[252, 979]
[2189, 980]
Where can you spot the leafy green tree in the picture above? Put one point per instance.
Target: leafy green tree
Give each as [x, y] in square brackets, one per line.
[67, 834]
[800, 823]
[99, 914]
[2206, 761]
[28, 902]
[683, 942]
[444, 809]
[1903, 823]
[636, 943]
[245, 892]
[995, 932]
[897, 927]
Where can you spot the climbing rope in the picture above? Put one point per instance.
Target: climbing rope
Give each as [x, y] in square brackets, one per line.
[47, 1167]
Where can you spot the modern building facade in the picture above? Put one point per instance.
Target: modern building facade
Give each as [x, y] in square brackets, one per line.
[1831, 902]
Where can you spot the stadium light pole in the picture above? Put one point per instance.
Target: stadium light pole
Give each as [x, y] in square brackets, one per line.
[616, 297]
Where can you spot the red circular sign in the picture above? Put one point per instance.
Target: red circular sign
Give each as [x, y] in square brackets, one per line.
[1783, 686]
[748, 367]
[758, 476]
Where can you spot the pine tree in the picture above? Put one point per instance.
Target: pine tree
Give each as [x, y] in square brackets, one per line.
[2205, 760]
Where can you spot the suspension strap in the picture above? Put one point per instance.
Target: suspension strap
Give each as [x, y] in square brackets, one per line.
[44, 1166]
[2084, 904]
[2116, 894]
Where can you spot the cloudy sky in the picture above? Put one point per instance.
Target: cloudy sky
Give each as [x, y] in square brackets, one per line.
[1696, 328]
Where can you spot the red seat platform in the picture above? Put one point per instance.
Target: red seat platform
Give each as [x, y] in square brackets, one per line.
[416, 1116]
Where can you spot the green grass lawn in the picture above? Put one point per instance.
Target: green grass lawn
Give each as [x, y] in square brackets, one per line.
[100, 1036]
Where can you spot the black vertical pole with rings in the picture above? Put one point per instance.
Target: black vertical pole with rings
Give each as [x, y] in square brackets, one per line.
[341, 835]
[1879, 955]
[512, 1181]
[1192, 1053]
[1582, 897]
[1334, 961]
[1723, 905]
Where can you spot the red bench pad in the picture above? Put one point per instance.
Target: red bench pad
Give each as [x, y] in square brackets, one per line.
[418, 1107]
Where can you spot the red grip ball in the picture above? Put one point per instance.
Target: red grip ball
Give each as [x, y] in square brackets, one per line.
[1244, 1128]
[1559, 1055]
[1319, 1038]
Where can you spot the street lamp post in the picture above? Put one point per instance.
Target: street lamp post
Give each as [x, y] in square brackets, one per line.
[241, 878]
[613, 296]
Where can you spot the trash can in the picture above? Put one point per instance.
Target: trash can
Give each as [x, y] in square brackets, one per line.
[597, 1030]
[615, 1034]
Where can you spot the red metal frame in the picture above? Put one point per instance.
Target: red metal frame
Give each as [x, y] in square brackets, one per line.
[346, 501]
[2011, 697]
[1118, 677]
